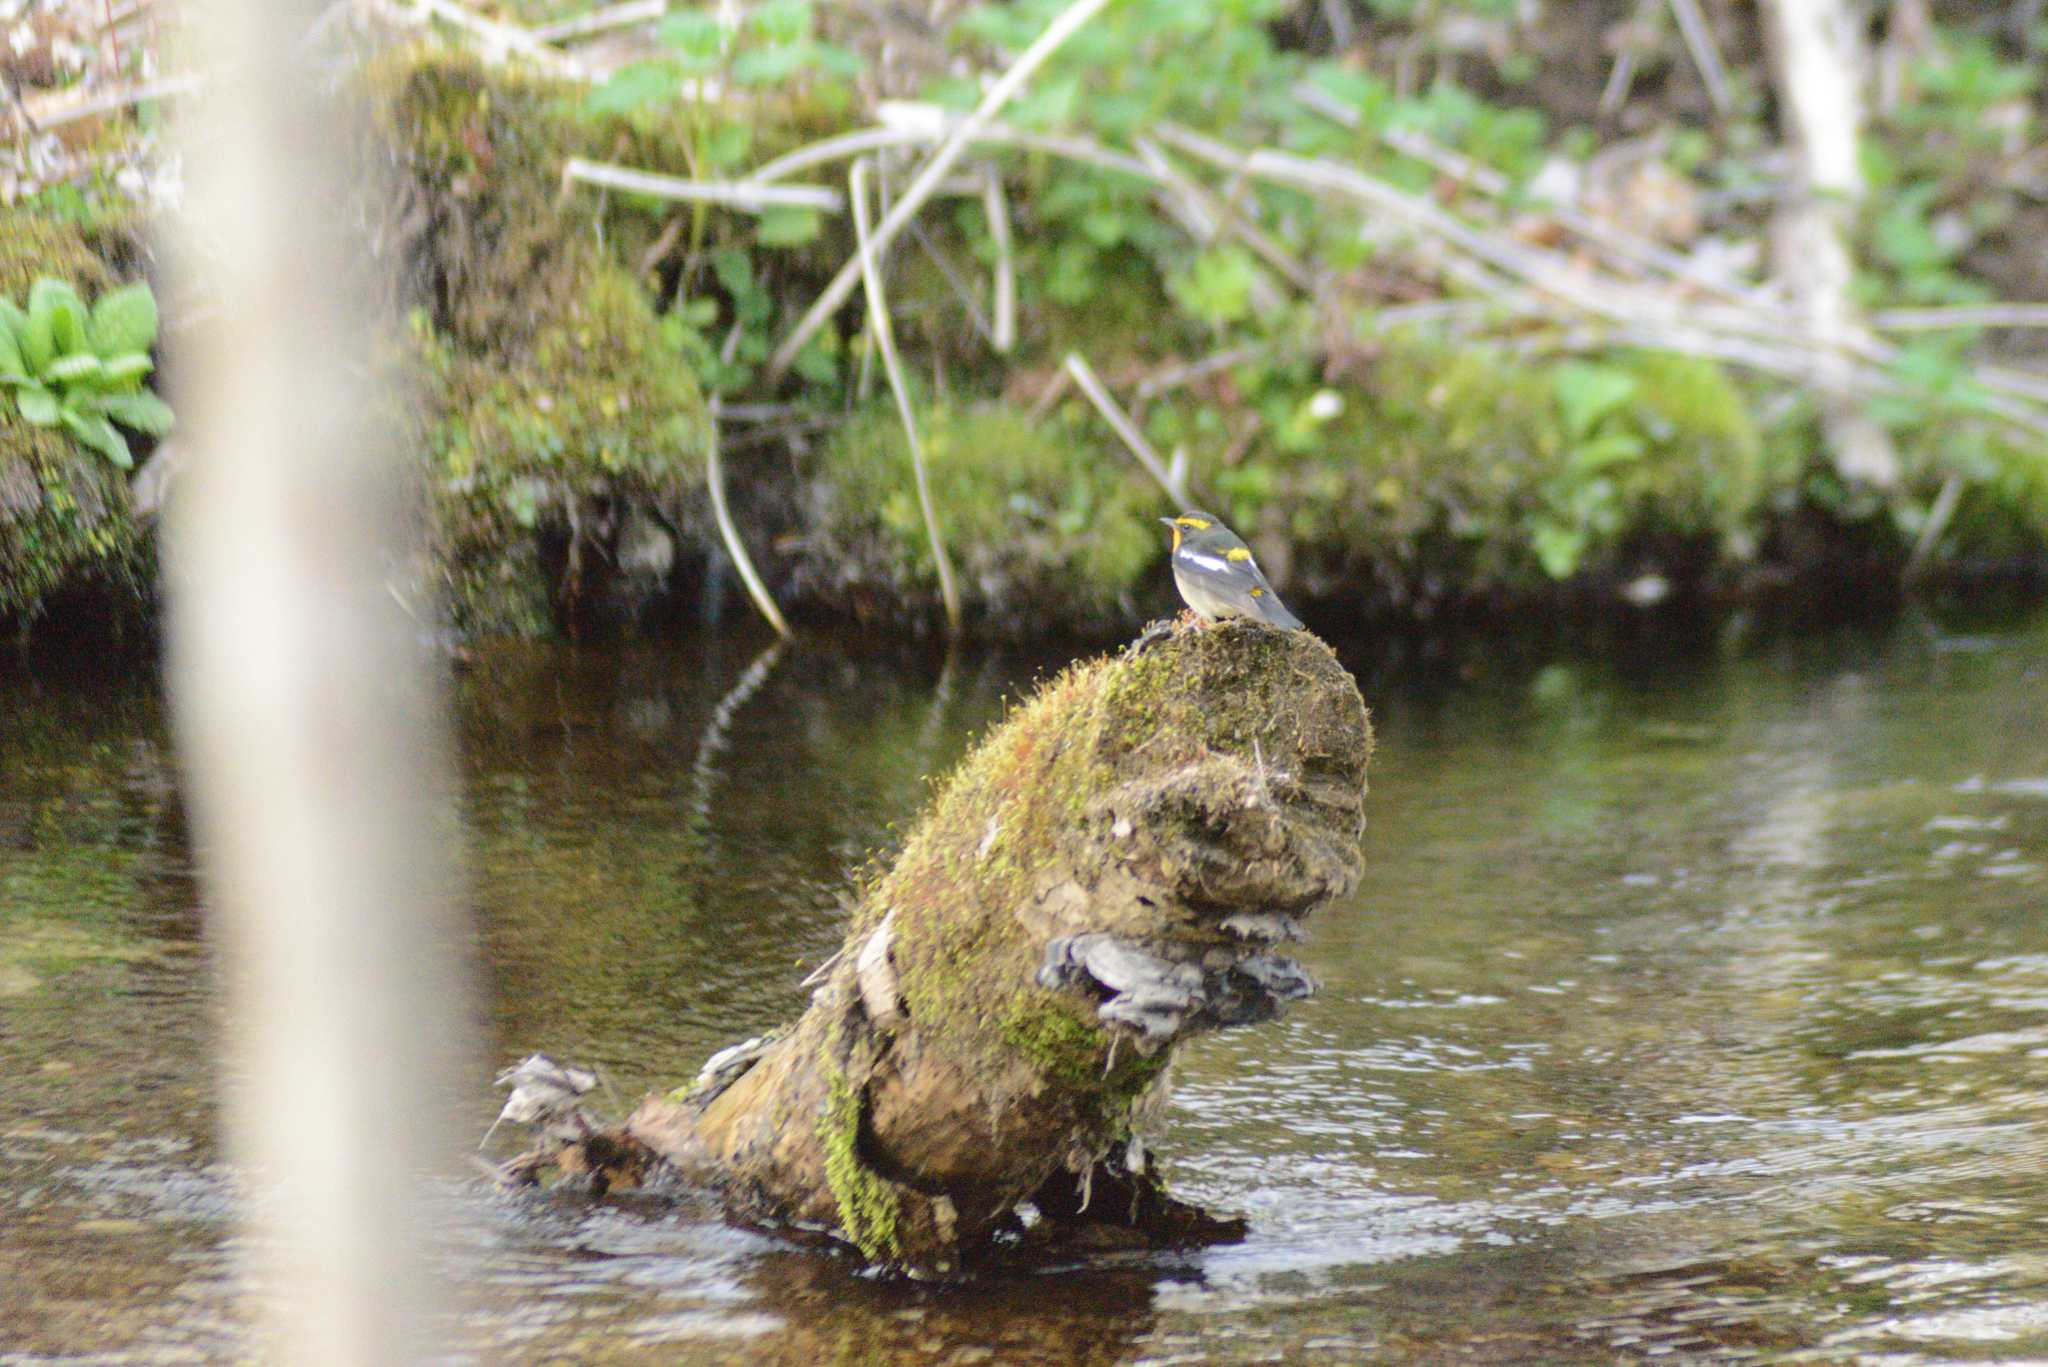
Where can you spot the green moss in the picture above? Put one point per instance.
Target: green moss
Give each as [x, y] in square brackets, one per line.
[1036, 517]
[1017, 812]
[1466, 465]
[868, 1205]
[1059, 1045]
[34, 244]
[550, 399]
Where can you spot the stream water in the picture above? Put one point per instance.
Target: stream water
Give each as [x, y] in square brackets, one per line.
[1692, 1008]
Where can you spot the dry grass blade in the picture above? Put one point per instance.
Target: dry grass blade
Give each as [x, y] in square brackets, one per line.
[1699, 41]
[996, 207]
[931, 173]
[885, 341]
[714, 472]
[1112, 412]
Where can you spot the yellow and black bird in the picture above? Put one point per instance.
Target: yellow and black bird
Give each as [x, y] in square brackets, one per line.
[1217, 576]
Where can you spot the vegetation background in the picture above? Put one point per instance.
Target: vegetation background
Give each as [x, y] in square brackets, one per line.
[1447, 305]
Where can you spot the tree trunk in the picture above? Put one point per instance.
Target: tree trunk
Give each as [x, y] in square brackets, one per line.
[1110, 871]
[1819, 62]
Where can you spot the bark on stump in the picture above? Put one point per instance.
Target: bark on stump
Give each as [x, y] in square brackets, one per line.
[1109, 871]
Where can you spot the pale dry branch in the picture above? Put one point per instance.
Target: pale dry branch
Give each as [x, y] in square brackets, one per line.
[741, 195]
[714, 471]
[600, 21]
[1699, 41]
[996, 208]
[867, 250]
[931, 173]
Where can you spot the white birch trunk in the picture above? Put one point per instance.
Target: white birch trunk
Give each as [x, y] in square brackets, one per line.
[307, 723]
[1819, 61]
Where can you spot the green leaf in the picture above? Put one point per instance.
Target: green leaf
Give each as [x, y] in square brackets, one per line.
[781, 21]
[38, 406]
[119, 369]
[1558, 549]
[56, 318]
[1609, 448]
[123, 320]
[697, 37]
[769, 65]
[144, 412]
[1587, 393]
[100, 435]
[38, 347]
[728, 144]
[787, 227]
[638, 86]
[1217, 288]
[815, 362]
[81, 367]
[12, 367]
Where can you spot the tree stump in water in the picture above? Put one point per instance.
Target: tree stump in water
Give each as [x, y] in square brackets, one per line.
[1112, 869]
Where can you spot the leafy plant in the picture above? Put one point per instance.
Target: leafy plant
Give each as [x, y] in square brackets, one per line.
[83, 370]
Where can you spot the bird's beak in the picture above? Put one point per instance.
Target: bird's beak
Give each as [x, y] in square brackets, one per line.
[1167, 520]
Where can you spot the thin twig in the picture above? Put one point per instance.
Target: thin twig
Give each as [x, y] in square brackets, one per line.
[963, 289]
[921, 133]
[164, 89]
[735, 194]
[996, 209]
[737, 549]
[878, 314]
[929, 176]
[498, 36]
[1938, 518]
[1106, 404]
[1174, 376]
[600, 20]
[1962, 316]
[1699, 41]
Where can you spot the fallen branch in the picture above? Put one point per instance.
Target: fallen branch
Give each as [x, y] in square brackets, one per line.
[600, 21]
[925, 131]
[1699, 41]
[1962, 316]
[742, 195]
[497, 37]
[169, 87]
[866, 250]
[931, 173]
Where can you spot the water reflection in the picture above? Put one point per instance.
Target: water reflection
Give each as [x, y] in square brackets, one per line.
[1694, 1009]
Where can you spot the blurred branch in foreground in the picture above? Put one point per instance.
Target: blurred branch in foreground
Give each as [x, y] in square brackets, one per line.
[307, 717]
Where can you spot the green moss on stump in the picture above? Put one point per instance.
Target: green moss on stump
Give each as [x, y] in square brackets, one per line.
[1026, 809]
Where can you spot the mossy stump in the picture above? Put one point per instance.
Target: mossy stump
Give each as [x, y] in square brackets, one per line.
[1109, 871]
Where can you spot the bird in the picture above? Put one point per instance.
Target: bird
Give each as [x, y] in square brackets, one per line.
[1217, 577]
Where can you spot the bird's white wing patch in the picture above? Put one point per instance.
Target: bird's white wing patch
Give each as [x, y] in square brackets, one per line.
[1207, 562]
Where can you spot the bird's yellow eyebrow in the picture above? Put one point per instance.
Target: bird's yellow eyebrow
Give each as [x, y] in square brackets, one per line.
[1200, 524]
[1238, 553]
